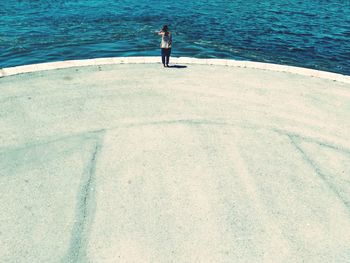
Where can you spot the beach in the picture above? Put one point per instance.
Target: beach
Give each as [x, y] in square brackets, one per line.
[121, 160]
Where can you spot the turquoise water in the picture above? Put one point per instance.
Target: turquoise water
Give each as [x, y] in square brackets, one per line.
[313, 34]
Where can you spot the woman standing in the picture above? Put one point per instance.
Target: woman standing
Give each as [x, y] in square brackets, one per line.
[165, 45]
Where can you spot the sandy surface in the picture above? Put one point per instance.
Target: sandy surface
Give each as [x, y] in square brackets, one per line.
[136, 163]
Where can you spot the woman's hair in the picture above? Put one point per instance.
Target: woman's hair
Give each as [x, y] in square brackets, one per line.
[165, 28]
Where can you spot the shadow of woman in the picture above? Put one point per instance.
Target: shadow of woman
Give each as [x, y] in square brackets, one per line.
[177, 66]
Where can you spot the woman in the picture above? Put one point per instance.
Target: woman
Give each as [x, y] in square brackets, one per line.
[165, 45]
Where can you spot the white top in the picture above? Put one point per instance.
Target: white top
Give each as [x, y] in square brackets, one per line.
[166, 41]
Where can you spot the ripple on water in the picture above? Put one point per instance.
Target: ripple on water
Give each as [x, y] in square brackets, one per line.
[276, 31]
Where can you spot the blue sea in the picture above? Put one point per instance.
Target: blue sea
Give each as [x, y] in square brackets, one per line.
[307, 33]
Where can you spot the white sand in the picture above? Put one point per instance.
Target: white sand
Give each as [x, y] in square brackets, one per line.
[136, 163]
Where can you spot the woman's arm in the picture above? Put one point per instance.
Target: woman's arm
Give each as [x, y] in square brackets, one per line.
[170, 38]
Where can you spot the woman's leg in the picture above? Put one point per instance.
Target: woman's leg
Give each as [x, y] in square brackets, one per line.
[163, 52]
[168, 56]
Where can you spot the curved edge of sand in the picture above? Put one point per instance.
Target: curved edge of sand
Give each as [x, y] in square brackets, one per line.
[174, 60]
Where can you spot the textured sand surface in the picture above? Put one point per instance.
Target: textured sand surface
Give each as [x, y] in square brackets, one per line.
[136, 163]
